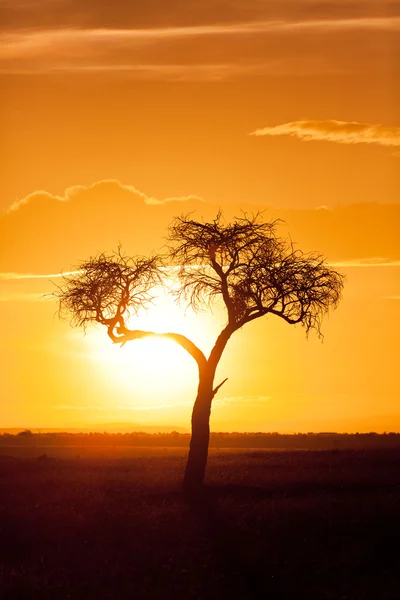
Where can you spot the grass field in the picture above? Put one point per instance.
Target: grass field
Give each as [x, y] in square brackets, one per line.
[285, 524]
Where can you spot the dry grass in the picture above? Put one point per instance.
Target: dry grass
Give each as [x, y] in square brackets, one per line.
[271, 525]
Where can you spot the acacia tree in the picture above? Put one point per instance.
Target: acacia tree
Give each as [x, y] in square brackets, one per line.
[245, 264]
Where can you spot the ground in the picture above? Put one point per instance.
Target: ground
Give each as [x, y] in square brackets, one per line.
[276, 525]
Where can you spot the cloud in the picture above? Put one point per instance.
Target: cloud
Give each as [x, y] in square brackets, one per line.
[345, 264]
[77, 190]
[366, 263]
[153, 407]
[45, 234]
[25, 14]
[242, 400]
[22, 297]
[73, 39]
[129, 408]
[77, 407]
[341, 132]
[37, 40]
[151, 52]
[18, 276]
[184, 72]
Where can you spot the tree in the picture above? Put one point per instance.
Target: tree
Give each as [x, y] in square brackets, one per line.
[245, 264]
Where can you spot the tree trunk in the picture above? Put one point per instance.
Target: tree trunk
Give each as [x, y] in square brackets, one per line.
[198, 452]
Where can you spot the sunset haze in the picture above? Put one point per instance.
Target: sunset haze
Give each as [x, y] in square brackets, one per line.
[118, 117]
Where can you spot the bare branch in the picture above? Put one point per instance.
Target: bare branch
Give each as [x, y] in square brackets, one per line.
[254, 271]
[126, 335]
[108, 289]
[215, 390]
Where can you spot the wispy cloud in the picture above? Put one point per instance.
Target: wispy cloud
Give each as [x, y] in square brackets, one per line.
[80, 408]
[22, 297]
[181, 13]
[154, 407]
[367, 263]
[129, 408]
[242, 400]
[223, 402]
[17, 276]
[188, 72]
[149, 52]
[13, 44]
[342, 132]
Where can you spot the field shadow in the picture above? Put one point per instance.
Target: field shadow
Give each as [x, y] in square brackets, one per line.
[232, 548]
[298, 489]
[256, 563]
[122, 530]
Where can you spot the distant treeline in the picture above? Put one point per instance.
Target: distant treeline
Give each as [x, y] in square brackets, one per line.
[301, 441]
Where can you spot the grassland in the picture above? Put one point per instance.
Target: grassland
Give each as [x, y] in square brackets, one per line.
[272, 524]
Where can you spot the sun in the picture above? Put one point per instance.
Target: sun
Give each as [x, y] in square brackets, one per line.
[153, 365]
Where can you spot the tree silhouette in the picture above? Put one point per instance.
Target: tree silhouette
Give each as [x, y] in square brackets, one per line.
[245, 264]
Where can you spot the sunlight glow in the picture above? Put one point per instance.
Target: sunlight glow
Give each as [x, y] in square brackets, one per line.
[155, 364]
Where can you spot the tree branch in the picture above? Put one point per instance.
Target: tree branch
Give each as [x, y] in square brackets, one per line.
[290, 320]
[224, 286]
[127, 335]
[215, 390]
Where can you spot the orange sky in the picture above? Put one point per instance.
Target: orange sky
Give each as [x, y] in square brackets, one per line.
[116, 117]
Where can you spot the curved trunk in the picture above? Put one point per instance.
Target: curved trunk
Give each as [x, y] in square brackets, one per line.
[198, 452]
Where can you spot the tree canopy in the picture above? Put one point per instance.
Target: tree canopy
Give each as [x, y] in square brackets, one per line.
[108, 289]
[253, 270]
